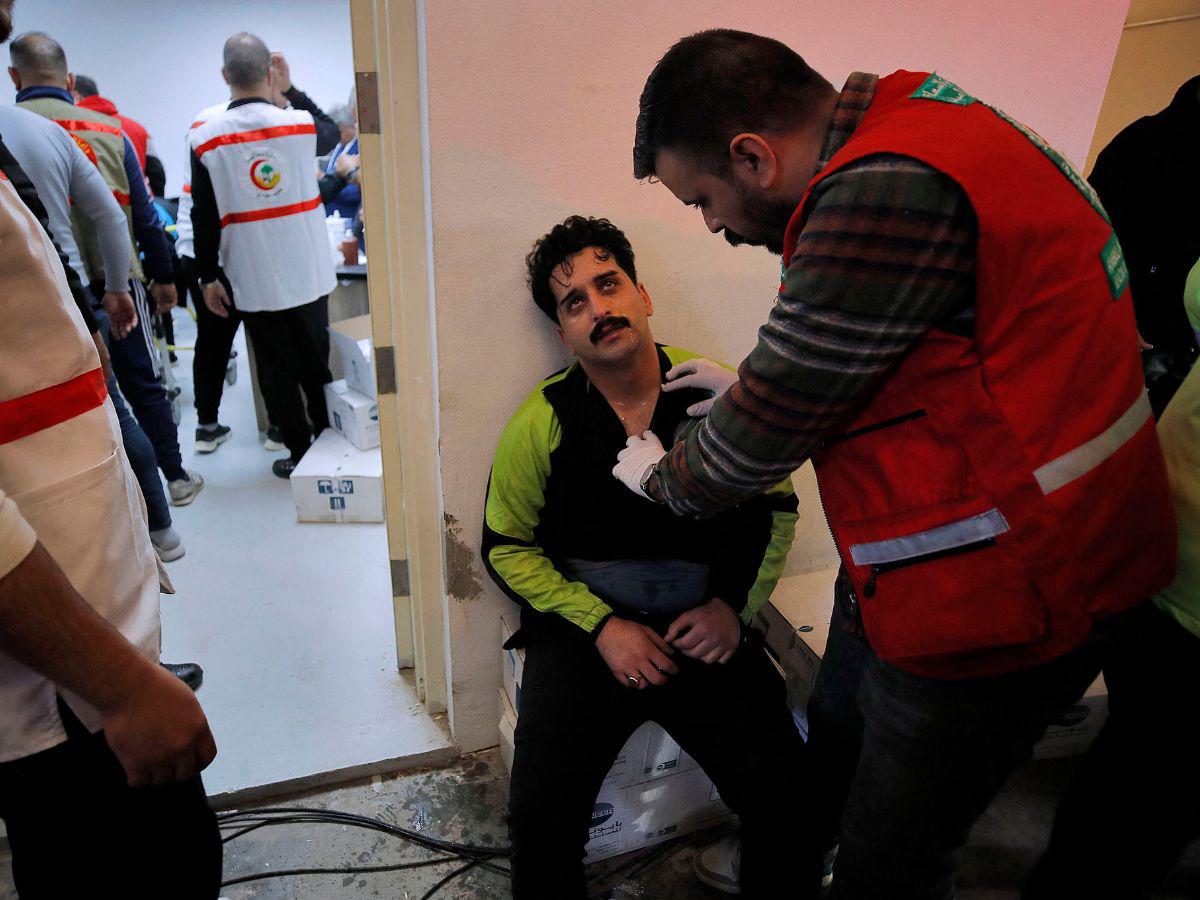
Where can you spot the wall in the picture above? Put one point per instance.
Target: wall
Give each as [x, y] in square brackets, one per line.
[531, 113]
[1152, 62]
[160, 62]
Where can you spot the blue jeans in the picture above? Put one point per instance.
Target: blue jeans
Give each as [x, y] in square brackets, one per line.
[133, 361]
[138, 449]
[907, 763]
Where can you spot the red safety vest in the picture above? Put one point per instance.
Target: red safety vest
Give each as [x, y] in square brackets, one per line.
[1000, 492]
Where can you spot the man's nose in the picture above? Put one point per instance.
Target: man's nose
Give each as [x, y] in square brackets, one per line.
[713, 222]
[601, 306]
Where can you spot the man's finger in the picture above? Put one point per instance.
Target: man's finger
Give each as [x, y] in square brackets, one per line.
[713, 656]
[663, 664]
[657, 640]
[727, 656]
[690, 641]
[622, 679]
[678, 627]
[696, 410]
[687, 367]
[701, 648]
[651, 675]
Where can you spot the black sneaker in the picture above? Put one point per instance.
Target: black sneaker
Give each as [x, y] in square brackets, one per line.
[189, 673]
[209, 438]
[284, 467]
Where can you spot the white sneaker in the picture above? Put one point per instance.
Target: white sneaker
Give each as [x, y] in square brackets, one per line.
[168, 543]
[719, 865]
[274, 440]
[184, 490]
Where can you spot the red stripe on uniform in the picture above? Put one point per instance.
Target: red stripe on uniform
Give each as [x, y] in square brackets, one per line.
[271, 212]
[260, 134]
[122, 199]
[23, 416]
[187, 188]
[85, 125]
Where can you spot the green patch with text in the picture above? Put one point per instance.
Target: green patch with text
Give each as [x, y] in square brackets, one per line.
[935, 87]
[1114, 265]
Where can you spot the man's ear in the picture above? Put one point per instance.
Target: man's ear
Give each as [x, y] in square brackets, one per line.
[753, 160]
[15, 76]
[71, 82]
[646, 298]
[224, 75]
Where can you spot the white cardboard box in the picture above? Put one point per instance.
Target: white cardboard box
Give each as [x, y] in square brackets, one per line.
[805, 603]
[355, 416]
[337, 482]
[352, 337]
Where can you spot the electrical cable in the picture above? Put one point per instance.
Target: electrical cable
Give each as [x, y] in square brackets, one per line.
[453, 851]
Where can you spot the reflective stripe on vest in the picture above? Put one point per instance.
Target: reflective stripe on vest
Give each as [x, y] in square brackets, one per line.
[935, 540]
[23, 416]
[271, 212]
[258, 134]
[1078, 462]
[88, 125]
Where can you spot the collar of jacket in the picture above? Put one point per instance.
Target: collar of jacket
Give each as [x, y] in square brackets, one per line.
[45, 90]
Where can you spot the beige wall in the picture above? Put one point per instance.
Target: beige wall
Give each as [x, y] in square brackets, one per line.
[531, 110]
[1152, 62]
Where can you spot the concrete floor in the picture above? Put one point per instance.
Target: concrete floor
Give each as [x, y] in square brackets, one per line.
[465, 802]
[292, 622]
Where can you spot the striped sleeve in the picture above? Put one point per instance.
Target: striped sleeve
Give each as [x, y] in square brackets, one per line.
[887, 253]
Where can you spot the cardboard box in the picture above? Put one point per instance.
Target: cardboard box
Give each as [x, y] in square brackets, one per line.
[337, 482]
[659, 810]
[352, 337]
[508, 728]
[355, 416]
[804, 602]
[512, 667]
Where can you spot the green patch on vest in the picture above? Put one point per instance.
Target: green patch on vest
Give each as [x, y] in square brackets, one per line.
[935, 87]
[1114, 265]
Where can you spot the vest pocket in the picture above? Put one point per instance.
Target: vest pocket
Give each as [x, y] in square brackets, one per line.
[956, 588]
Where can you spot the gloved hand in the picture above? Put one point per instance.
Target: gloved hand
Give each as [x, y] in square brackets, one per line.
[642, 452]
[700, 373]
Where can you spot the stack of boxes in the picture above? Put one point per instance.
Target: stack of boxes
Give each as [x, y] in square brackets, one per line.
[796, 625]
[340, 478]
[653, 792]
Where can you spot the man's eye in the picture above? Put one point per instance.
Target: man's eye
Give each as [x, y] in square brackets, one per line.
[698, 204]
[608, 283]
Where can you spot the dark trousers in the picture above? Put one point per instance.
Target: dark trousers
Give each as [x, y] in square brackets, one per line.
[214, 341]
[907, 764]
[77, 829]
[1135, 802]
[292, 350]
[574, 718]
[135, 363]
[137, 447]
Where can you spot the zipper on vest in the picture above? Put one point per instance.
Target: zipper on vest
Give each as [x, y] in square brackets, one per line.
[883, 568]
[875, 426]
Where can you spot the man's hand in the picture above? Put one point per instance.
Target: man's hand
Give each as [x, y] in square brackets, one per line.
[102, 352]
[122, 314]
[642, 452]
[283, 73]
[164, 296]
[710, 633]
[159, 733]
[700, 373]
[636, 655]
[345, 164]
[217, 300]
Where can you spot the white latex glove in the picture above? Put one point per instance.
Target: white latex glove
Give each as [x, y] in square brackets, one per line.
[700, 373]
[642, 452]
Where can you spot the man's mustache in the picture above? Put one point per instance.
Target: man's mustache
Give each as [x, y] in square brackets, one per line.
[607, 322]
[733, 238]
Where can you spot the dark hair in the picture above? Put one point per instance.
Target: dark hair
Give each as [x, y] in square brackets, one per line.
[715, 84]
[86, 86]
[246, 60]
[38, 57]
[576, 233]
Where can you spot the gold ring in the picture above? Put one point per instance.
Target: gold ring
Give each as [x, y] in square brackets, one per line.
[634, 679]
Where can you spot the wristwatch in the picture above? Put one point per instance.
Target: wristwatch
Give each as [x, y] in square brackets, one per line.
[644, 483]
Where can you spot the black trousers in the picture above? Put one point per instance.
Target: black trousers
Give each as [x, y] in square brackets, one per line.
[733, 719]
[214, 340]
[77, 829]
[292, 346]
[1135, 802]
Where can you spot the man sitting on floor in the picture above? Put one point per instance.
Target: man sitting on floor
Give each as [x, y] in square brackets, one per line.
[630, 614]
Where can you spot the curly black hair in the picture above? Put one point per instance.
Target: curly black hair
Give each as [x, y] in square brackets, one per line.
[554, 249]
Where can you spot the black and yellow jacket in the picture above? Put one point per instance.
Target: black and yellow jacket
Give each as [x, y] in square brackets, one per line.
[552, 496]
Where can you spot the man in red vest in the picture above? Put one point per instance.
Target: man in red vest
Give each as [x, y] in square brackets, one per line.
[88, 96]
[954, 349]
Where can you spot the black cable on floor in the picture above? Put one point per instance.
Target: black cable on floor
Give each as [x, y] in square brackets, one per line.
[449, 878]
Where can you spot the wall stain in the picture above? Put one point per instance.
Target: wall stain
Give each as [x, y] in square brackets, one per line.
[462, 580]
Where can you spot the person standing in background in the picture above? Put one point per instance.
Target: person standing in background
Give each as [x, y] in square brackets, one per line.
[257, 222]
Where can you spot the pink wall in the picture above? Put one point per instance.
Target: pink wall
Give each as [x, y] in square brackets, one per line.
[531, 114]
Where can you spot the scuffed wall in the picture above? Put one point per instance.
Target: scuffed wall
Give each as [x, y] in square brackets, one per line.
[531, 113]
